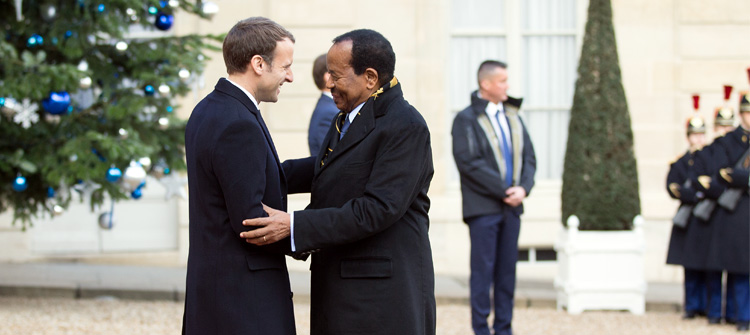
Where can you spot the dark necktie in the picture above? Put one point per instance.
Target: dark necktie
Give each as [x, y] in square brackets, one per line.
[344, 127]
[507, 154]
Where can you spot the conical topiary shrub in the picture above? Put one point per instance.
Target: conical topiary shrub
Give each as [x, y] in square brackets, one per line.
[600, 180]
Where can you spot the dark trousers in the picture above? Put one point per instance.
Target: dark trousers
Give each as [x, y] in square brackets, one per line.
[695, 291]
[494, 252]
[730, 309]
[713, 281]
[741, 285]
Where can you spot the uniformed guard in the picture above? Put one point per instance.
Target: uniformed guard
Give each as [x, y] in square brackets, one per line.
[679, 186]
[699, 240]
[730, 239]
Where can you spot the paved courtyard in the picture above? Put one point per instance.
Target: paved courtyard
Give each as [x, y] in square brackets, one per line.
[110, 316]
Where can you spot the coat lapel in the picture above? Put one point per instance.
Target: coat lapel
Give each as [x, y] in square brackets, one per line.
[228, 88]
[363, 124]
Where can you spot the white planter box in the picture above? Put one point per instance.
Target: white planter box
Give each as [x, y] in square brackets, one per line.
[600, 270]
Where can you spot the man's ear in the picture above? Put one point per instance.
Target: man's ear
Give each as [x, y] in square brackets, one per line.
[371, 76]
[483, 84]
[256, 64]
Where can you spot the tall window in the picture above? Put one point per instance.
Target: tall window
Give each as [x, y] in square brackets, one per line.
[538, 40]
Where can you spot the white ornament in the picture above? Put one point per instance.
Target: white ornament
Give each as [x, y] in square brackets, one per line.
[210, 8]
[174, 3]
[134, 176]
[85, 83]
[164, 89]
[145, 162]
[184, 74]
[26, 114]
[163, 123]
[58, 210]
[83, 66]
[123, 133]
[121, 46]
[175, 186]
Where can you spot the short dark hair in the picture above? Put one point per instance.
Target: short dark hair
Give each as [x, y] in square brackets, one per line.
[249, 37]
[487, 66]
[370, 50]
[319, 70]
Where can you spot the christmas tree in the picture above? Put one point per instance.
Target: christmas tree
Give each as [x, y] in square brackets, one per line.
[87, 93]
[600, 180]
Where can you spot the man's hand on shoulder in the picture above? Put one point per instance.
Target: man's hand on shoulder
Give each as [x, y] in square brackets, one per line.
[515, 196]
[269, 229]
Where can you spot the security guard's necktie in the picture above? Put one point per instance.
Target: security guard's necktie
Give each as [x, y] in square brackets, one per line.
[507, 154]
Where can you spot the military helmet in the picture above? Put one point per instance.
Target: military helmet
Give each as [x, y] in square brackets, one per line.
[695, 124]
[724, 115]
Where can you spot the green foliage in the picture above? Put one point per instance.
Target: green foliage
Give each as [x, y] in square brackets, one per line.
[82, 144]
[600, 180]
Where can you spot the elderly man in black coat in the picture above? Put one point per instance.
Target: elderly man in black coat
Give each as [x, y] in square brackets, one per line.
[368, 210]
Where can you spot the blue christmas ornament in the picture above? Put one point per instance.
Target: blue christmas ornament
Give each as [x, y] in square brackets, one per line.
[54, 40]
[113, 174]
[57, 103]
[19, 184]
[50, 192]
[162, 3]
[149, 90]
[68, 34]
[170, 109]
[2, 102]
[101, 8]
[164, 21]
[34, 40]
[137, 193]
[152, 10]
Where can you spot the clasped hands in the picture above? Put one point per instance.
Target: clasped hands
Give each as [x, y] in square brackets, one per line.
[515, 196]
[269, 229]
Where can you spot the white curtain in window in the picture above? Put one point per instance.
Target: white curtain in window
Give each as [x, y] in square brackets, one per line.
[478, 14]
[549, 70]
[466, 55]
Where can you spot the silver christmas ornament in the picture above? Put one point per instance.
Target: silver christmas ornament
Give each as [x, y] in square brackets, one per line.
[174, 3]
[145, 162]
[85, 83]
[123, 133]
[57, 210]
[83, 66]
[73, 157]
[121, 46]
[106, 220]
[163, 123]
[184, 74]
[134, 176]
[49, 12]
[10, 107]
[210, 9]
[164, 89]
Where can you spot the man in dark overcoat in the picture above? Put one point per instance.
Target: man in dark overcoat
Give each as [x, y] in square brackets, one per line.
[233, 168]
[367, 218]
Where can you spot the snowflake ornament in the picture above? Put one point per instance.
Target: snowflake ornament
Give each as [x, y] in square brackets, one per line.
[26, 114]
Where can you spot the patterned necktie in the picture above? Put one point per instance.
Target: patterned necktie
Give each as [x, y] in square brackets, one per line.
[344, 127]
[507, 154]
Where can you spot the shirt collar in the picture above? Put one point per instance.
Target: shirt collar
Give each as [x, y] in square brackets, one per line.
[354, 112]
[327, 93]
[246, 92]
[492, 108]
